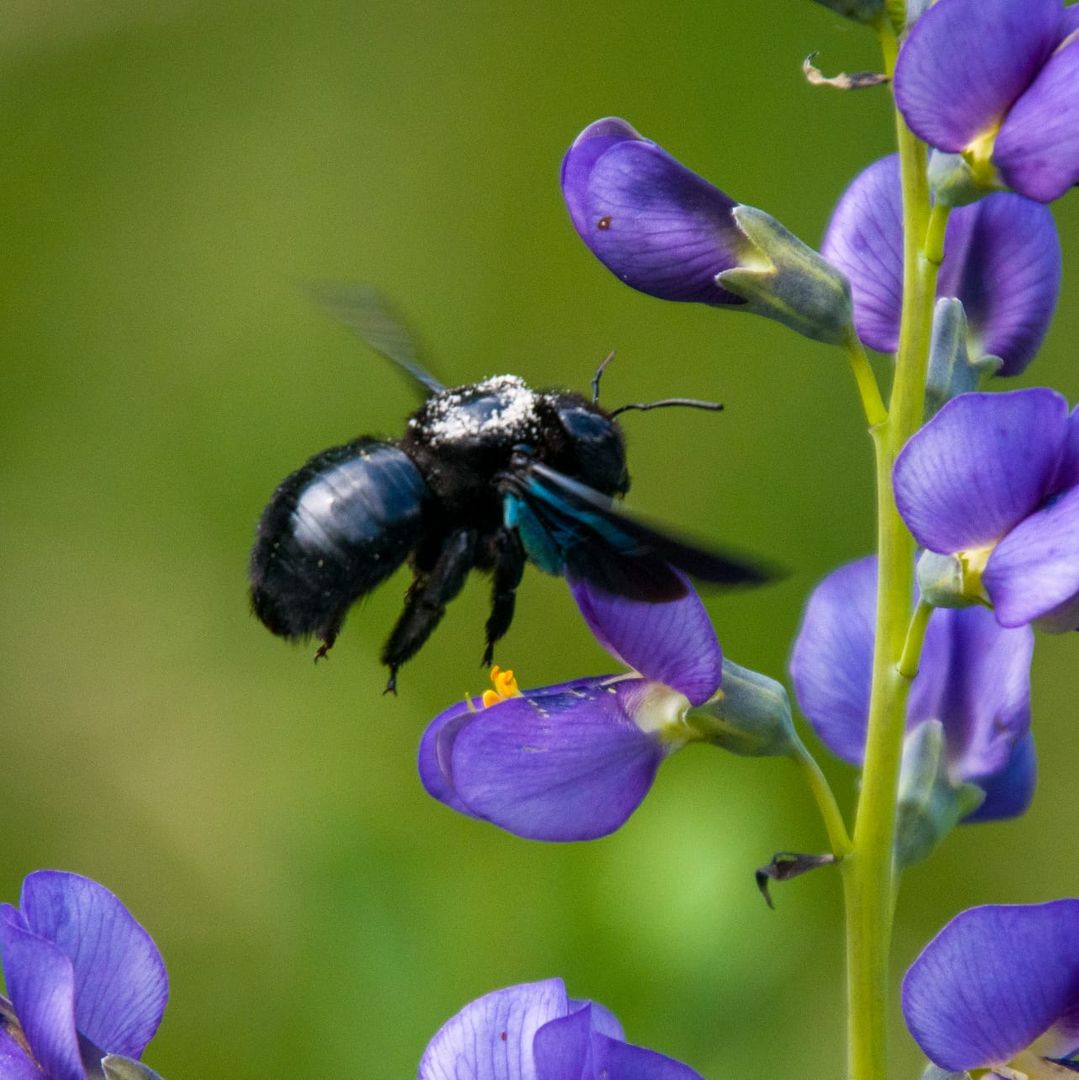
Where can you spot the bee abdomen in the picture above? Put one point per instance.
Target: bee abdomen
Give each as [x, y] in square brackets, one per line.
[334, 530]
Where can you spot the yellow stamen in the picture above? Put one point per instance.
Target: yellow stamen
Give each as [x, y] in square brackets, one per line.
[505, 686]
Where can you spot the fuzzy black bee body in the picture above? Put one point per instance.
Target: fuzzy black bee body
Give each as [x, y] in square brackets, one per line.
[487, 476]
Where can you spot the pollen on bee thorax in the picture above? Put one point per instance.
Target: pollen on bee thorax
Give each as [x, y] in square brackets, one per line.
[505, 686]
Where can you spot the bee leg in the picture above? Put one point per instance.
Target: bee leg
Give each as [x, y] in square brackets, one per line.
[426, 600]
[509, 565]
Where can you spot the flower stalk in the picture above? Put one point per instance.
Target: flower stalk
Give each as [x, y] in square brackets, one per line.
[870, 880]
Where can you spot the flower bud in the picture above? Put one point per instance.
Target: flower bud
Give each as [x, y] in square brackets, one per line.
[931, 804]
[951, 370]
[750, 715]
[935, 1072]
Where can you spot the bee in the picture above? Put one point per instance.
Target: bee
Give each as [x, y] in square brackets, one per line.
[489, 475]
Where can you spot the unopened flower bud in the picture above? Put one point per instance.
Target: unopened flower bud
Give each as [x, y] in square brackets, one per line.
[931, 804]
[951, 370]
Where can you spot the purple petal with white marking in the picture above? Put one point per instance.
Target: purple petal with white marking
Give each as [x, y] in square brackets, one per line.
[491, 1038]
[618, 1059]
[974, 677]
[41, 984]
[1035, 568]
[865, 240]
[14, 1064]
[1009, 791]
[980, 466]
[673, 642]
[1037, 148]
[992, 981]
[567, 764]
[121, 986]
[967, 61]
[832, 661]
[1002, 259]
[651, 221]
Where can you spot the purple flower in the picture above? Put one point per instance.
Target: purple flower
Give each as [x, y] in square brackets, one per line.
[84, 978]
[573, 761]
[999, 987]
[667, 232]
[535, 1032]
[998, 82]
[974, 678]
[993, 479]
[1001, 259]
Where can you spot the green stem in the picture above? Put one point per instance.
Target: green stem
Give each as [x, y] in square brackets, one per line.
[838, 837]
[869, 875]
[912, 647]
[868, 390]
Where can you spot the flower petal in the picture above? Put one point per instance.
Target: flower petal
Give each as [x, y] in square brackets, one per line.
[1037, 148]
[14, 1064]
[1002, 259]
[979, 466]
[603, 1020]
[865, 240]
[832, 661]
[436, 752]
[974, 677]
[655, 224]
[121, 986]
[618, 1059]
[966, 62]
[563, 1047]
[491, 1038]
[673, 642]
[41, 983]
[992, 981]
[1009, 790]
[1035, 568]
[561, 765]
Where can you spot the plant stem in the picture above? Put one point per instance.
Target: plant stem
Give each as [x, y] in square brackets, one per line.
[868, 390]
[869, 875]
[838, 837]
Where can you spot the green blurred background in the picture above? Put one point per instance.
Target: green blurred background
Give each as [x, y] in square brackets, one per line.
[173, 169]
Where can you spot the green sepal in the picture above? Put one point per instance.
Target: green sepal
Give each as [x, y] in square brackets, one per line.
[951, 370]
[946, 581]
[749, 716]
[930, 804]
[784, 279]
[954, 182]
[118, 1067]
[935, 1072]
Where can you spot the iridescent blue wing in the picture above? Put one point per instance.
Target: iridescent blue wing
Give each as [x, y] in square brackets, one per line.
[566, 525]
[364, 310]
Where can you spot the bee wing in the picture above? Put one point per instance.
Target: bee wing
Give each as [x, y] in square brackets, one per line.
[366, 313]
[618, 553]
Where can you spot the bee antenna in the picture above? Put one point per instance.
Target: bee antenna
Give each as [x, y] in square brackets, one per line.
[689, 403]
[599, 374]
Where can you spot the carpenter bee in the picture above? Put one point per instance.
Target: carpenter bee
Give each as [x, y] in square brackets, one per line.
[487, 476]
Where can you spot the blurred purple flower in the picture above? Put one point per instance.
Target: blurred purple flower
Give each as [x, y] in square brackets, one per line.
[1001, 259]
[974, 678]
[535, 1032]
[998, 82]
[994, 480]
[573, 761]
[999, 987]
[84, 978]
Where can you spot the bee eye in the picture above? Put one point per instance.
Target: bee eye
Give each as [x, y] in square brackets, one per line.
[597, 444]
